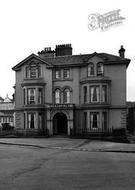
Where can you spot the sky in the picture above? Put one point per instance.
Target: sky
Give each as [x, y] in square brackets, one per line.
[28, 26]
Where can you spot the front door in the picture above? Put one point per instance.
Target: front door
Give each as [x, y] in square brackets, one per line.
[60, 124]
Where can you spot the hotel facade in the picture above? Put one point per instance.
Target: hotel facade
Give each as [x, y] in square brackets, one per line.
[65, 94]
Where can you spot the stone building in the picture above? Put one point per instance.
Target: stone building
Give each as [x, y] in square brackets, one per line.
[6, 111]
[64, 93]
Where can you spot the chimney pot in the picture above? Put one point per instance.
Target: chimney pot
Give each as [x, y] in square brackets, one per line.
[122, 52]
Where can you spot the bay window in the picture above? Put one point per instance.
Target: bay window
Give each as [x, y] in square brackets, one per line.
[33, 95]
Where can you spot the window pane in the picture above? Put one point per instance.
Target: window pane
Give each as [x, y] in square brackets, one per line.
[85, 93]
[66, 96]
[99, 69]
[33, 72]
[94, 120]
[57, 96]
[104, 93]
[39, 71]
[66, 73]
[31, 96]
[31, 120]
[40, 95]
[85, 121]
[57, 74]
[94, 94]
[24, 95]
[40, 120]
[91, 69]
[27, 72]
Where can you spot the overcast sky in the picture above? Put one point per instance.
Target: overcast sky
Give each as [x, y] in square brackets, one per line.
[27, 26]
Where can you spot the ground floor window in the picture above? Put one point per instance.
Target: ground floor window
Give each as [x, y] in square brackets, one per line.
[95, 121]
[40, 120]
[31, 120]
[104, 120]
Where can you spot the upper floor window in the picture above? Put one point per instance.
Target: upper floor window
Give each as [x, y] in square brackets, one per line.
[31, 96]
[40, 95]
[104, 93]
[57, 96]
[34, 95]
[57, 74]
[94, 94]
[66, 96]
[66, 73]
[85, 93]
[91, 71]
[33, 71]
[100, 68]
[98, 93]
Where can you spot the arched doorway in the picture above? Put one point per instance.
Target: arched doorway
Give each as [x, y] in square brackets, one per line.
[60, 124]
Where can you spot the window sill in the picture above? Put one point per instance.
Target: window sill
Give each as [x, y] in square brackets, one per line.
[37, 78]
[63, 79]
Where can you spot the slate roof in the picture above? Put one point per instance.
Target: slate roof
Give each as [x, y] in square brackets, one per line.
[81, 59]
[75, 60]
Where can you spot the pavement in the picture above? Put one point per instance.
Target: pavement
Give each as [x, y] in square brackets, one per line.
[70, 144]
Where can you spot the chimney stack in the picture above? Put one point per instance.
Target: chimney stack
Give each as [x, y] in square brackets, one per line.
[122, 52]
[64, 49]
[47, 52]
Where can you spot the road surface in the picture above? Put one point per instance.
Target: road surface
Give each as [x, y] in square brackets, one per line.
[35, 168]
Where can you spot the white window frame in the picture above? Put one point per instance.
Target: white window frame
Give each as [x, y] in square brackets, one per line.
[92, 114]
[57, 74]
[29, 120]
[66, 73]
[31, 96]
[91, 72]
[57, 96]
[92, 91]
[66, 97]
[29, 69]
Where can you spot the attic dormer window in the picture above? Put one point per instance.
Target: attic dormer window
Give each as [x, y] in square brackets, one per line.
[91, 71]
[33, 71]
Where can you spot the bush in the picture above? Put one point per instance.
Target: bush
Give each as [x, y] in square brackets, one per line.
[7, 127]
[119, 132]
[43, 132]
